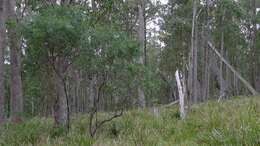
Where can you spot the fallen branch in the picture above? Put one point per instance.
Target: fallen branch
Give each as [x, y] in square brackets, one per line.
[171, 104]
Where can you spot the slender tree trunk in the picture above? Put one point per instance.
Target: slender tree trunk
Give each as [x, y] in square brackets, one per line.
[2, 47]
[141, 36]
[228, 73]
[255, 52]
[206, 54]
[221, 64]
[193, 90]
[16, 82]
[92, 91]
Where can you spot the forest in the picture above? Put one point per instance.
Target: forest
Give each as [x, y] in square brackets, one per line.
[129, 72]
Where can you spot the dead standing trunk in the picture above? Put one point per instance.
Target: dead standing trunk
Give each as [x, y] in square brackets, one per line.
[181, 90]
[16, 82]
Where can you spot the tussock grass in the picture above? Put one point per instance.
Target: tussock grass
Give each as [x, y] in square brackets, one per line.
[231, 122]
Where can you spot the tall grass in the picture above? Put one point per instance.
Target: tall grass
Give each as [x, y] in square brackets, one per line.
[232, 122]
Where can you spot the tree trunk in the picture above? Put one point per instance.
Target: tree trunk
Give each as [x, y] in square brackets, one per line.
[16, 82]
[2, 47]
[61, 113]
[181, 91]
[93, 4]
[141, 36]
[255, 52]
[206, 74]
[221, 66]
[92, 91]
[192, 81]
[222, 85]
[60, 105]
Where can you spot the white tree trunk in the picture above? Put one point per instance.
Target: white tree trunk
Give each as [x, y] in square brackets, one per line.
[181, 90]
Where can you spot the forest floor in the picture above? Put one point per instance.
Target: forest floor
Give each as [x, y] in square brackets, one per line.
[230, 122]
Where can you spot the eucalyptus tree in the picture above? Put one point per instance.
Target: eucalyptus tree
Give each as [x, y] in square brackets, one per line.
[193, 61]
[2, 48]
[54, 38]
[15, 60]
[216, 21]
[176, 32]
[253, 39]
[142, 41]
[63, 38]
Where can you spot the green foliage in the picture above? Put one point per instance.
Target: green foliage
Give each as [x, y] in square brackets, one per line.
[55, 31]
[176, 36]
[105, 48]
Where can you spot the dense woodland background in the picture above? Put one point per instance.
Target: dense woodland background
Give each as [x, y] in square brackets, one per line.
[61, 58]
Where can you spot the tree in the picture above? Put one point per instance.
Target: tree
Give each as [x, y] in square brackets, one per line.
[193, 63]
[16, 81]
[2, 48]
[253, 35]
[62, 40]
[141, 37]
[54, 38]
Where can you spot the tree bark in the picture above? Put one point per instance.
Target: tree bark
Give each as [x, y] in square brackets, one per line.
[16, 81]
[141, 37]
[181, 91]
[222, 85]
[206, 74]
[93, 4]
[92, 91]
[61, 112]
[2, 48]
[255, 52]
[193, 78]
[223, 88]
